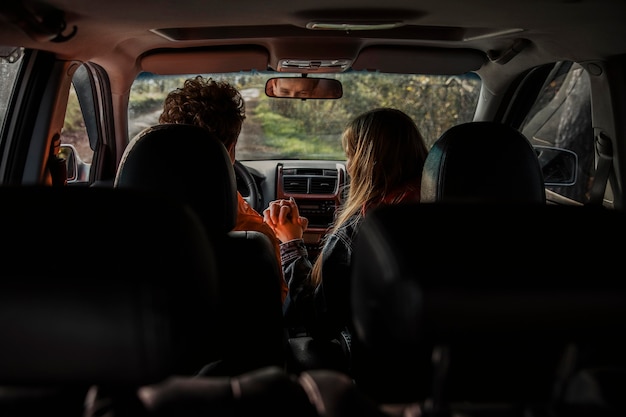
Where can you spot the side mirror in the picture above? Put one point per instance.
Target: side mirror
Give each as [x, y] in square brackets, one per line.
[559, 166]
[77, 169]
[303, 88]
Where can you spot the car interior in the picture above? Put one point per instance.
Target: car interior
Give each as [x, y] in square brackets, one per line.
[126, 290]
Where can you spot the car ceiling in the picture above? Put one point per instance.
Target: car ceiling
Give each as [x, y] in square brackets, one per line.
[114, 32]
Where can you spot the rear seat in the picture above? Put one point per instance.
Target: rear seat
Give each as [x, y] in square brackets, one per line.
[99, 286]
[462, 306]
[459, 305]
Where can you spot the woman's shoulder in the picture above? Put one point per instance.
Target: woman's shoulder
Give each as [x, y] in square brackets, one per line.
[346, 232]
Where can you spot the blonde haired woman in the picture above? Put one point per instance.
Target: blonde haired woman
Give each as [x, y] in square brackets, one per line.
[385, 153]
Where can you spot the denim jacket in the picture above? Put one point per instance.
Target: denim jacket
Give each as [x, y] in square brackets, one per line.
[324, 311]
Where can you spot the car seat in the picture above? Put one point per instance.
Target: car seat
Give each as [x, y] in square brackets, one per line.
[465, 305]
[481, 162]
[187, 163]
[100, 287]
[461, 306]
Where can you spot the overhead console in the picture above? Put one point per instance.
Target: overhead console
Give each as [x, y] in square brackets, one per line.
[317, 189]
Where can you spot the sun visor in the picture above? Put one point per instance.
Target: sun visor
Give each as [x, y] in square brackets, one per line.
[214, 60]
[443, 61]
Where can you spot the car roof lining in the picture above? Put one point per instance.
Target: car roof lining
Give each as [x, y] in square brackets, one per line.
[419, 60]
[117, 29]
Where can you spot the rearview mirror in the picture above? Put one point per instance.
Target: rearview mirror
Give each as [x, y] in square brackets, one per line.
[303, 88]
[559, 166]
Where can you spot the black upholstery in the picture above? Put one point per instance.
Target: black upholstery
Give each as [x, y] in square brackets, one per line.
[188, 163]
[99, 286]
[466, 305]
[482, 161]
[460, 297]
[112, 310]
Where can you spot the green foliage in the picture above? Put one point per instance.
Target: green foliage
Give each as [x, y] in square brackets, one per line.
[73, 116]
[434, 102]
[286, 133]
[145, 103]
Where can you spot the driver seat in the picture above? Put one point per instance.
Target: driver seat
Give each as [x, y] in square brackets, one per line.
[188, 163]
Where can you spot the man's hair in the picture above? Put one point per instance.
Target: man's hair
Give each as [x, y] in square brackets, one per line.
[214, 105]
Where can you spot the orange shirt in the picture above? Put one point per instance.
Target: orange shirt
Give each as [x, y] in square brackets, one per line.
[250, 219]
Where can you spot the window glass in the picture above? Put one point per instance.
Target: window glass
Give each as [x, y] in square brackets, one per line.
[283, 128]
[561, 118]
[74, 132]
[75, 147]
[10, 63]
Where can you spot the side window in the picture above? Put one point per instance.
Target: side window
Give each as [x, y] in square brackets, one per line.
[10, 63]
[75, 145]
[561, 118]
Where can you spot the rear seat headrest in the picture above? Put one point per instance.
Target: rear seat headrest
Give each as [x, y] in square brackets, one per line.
[103, 286]
[482, 161]
[187, 162]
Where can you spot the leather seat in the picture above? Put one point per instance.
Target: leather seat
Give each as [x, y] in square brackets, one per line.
[481, 162]
[187, 163]
[124, 310]
[459, 304]
[452, 307]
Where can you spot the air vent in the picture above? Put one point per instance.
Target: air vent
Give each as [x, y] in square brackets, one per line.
[322, 185]
[295, 185]
[310, 181]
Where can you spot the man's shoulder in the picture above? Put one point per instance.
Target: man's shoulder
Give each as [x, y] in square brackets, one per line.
[253, 221]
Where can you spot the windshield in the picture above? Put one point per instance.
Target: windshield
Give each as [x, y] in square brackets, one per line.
[284, 128]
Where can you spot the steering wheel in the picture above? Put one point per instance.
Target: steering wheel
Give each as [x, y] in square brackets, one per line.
[247, 187]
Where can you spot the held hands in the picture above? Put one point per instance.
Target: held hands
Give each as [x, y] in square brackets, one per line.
[284, 218]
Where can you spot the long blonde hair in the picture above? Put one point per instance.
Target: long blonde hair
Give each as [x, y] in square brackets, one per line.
[386, 151]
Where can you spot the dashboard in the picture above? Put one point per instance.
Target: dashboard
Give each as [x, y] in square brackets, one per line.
[316, 186]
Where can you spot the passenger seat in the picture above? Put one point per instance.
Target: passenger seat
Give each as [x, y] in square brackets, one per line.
[482, 162]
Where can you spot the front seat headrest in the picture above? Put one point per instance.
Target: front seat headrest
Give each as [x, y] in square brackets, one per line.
[482, 162]
[188, 163]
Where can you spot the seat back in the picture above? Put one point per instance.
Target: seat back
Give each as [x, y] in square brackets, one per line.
[99, 286]
[482, 161]
[462, 304]
[187, 163]
[460, 297]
